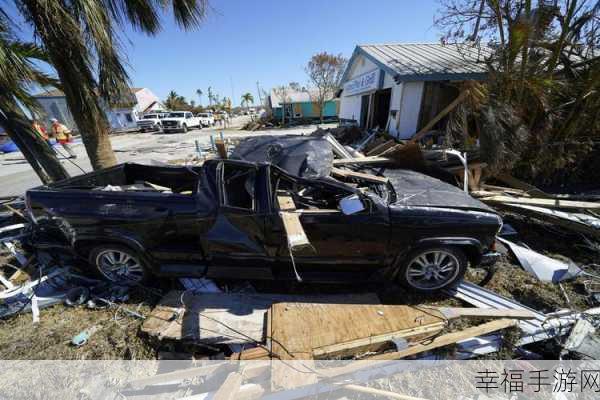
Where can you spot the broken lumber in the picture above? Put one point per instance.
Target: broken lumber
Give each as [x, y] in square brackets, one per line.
[296, 236]
[460, 312]
[551, 203]
[519, 184]
[379, 392]
[363, 161]
[342, 173]
[230, 388]
[447, 339]
[221, 148]
[462, 96]
[381, 148]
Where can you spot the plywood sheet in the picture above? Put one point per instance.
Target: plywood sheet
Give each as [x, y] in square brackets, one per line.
[297, 329]
[223, 318]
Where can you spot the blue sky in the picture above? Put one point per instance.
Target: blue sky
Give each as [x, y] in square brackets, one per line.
[269, 41]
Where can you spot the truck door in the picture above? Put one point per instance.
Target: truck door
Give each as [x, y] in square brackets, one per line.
[344, 246]
[235, 243]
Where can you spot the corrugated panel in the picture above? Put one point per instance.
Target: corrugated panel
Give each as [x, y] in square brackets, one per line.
[542, 327]
[430, 59]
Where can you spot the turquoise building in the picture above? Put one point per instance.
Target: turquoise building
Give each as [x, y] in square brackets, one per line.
[299, 105]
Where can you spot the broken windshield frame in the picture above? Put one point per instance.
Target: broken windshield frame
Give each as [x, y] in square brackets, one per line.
[223, 185]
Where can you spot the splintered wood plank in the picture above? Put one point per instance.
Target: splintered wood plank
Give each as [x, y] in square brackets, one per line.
[552, 203]
[448, 339]
[296, 236]
[381, 148]
[223, 318]
[297, 329]
[230, 388]
[343, 173]
[363, 161]
[286, 202]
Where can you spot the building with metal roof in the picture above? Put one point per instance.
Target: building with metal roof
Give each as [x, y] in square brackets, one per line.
[400, 87]
[301, 105]
[123, 115]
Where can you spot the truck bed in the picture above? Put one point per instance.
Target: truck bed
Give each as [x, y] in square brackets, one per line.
[131, 176]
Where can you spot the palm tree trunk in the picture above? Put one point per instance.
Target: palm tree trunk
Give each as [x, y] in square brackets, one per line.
[35, 150]
[77, 79]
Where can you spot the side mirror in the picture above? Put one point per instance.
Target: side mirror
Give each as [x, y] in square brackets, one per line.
[351, 205]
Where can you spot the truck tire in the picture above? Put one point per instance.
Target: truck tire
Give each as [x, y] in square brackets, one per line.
[432, 268]
[184, 128]
[118, 264]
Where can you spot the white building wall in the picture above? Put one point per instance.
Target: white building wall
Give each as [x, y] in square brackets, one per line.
[360, 66]
[350, 105]
[405, 100]
[411, 106]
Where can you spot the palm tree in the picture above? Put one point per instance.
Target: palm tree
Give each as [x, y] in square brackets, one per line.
[175, 101]
[81, 40]
[199, 92]
[17, 74]
[210, 96]
[247, 98]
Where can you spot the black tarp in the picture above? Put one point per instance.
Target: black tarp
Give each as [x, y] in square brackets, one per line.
[303, 156]
[416, 189]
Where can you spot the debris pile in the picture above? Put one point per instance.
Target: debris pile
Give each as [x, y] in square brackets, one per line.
[195, 318]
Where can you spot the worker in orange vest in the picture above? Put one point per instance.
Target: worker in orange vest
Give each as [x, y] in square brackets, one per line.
[39, 129]
[63, 136]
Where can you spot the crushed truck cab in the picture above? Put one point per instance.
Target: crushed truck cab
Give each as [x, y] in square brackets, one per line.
[224, 220]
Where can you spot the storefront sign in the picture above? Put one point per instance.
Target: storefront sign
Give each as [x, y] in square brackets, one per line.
[363, 83]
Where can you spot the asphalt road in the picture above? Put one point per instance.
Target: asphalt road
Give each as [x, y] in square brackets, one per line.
[16, 176]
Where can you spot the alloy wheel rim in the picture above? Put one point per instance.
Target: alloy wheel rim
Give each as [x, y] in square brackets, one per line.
[432, 270]
[118, 266]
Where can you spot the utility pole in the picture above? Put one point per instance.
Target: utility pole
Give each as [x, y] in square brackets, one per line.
[259, 94]
[232, 92]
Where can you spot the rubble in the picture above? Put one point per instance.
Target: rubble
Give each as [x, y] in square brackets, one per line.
[205, 318]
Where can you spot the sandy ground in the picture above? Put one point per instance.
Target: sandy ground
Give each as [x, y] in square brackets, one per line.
[16, 176]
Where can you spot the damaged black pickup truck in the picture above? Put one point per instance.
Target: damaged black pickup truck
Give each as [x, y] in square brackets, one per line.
[222, 220]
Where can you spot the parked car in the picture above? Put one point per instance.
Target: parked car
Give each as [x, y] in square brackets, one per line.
[221, 220]
[207, 119]
[151, 122]
[180, 121]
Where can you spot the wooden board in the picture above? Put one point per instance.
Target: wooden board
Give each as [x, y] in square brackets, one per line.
[299, 330]
[286, 202]
[551, 203]
[381, 147]
[363, 161]
[344, 173]
[296, 236]
[448, 339]
[222, 318]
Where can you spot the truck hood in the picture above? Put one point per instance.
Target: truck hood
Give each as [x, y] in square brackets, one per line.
[416, 189]
[173, 119]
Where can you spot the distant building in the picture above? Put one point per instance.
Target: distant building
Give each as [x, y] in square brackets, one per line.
[401, 87]
[301, 105]
[122, 116]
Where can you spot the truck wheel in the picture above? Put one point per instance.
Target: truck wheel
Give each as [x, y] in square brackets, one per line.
[429, 269]
[118, 264]
[184, 128]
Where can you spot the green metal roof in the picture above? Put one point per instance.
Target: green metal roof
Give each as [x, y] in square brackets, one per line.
[427, 61]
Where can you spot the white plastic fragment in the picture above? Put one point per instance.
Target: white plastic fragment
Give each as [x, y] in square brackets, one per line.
[544, 268]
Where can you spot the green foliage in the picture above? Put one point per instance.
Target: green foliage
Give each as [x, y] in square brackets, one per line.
[541, 112]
